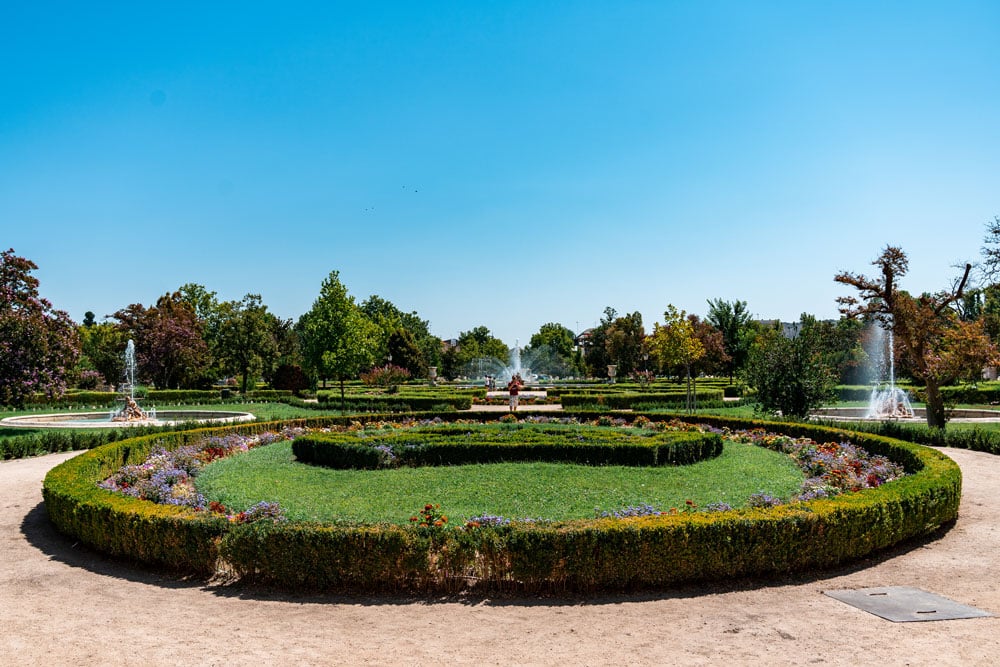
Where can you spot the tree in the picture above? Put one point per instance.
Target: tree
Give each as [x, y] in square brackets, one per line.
[734, 321]
[246, 340]
[338, 340]
[39, 346]
[596, 354]
[675, 345]
[623, 341]
[170, 349]
[391, 319]
[404, 353]
[479, 343]
[937, 345]
[839, 344]
[103, 346]
[551, 351]
[715, 358]
[788, 374]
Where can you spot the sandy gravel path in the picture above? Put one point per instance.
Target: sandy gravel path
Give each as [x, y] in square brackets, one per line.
[61, 604]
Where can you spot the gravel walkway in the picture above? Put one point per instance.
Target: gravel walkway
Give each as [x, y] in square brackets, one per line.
[61, 604]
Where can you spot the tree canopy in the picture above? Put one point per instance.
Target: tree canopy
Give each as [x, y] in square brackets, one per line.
[938, 346]
[39, 345]
[338, 339]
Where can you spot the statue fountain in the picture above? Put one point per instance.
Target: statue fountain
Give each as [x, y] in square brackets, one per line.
[130, 410]
[129, 414]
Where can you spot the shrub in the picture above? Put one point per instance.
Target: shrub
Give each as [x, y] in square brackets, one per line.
[387, 377]
[291, 378]
[481, 444]
[583, 555]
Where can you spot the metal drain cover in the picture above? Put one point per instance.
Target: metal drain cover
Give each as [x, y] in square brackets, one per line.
[902, 604]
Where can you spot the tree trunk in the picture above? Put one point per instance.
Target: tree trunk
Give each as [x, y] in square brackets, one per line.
[341, 392]
[688, 403]
[245, 373]
[935, 406]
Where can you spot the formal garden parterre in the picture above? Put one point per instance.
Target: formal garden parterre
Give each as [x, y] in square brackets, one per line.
[853, 502]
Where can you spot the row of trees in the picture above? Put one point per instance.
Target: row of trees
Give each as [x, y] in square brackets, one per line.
[190, 338]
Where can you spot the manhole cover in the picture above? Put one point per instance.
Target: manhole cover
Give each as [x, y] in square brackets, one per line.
[902, 604]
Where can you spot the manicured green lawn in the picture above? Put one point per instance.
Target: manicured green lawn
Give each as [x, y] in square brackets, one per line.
[516, 490]
[263, 412]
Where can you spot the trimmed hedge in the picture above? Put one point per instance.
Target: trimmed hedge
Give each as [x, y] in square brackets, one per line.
[579, 556]
[627, 401]
[465, 445]
[393, 402]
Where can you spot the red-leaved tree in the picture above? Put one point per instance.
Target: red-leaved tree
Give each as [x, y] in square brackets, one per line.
[39, 345]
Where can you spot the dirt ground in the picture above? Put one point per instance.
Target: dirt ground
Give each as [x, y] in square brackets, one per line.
[61, 604]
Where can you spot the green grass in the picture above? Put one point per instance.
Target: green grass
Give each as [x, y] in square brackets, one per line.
[263, 412]
[536, 490]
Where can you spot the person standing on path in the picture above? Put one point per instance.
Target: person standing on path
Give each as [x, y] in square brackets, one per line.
[514, 387]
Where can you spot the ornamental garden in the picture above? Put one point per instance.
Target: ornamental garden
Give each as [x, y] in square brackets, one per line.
[456, 501]
[378, 460]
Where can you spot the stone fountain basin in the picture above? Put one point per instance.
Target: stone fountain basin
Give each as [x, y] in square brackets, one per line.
[103, 419]
[919, 415]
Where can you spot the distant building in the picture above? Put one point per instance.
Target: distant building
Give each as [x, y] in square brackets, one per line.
[788, 329]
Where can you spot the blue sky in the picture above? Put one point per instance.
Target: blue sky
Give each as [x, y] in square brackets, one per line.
[503, 164]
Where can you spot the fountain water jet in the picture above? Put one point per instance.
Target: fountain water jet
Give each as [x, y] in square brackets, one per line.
[887, 401]
[130, 410]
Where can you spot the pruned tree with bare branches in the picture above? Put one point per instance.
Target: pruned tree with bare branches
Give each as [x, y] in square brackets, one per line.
[937, 345]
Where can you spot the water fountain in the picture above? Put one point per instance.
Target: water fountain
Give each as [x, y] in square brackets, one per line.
[130, 410]
[129, 414]
[502, 373]
[887, 401]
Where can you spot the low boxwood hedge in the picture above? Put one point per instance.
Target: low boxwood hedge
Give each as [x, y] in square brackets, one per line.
[577, 556]
[394, 402]
[630, 400]
[465, 445]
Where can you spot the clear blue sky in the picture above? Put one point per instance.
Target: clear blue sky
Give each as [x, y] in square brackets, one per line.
[496, 163]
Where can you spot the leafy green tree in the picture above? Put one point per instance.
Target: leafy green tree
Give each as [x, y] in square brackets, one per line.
[450, 367]
[39, 345]
[289, 354]
[788, 374]
[735, 323]
[480, 343]
[103, 347]
[391, 319]
[551, 351]
[840, 346]
[404, 353]
[209, 311]
[937, 345]
[675, 344]
[623, 341]
[246, 343]
[338, 340]
[555, 336]
[595, 353]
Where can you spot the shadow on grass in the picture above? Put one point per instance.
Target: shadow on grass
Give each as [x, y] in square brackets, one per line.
[41, 534]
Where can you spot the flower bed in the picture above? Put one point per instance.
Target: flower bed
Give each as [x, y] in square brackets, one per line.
[639, 551]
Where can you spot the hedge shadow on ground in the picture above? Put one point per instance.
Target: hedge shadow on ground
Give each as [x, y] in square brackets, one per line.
[40, 533]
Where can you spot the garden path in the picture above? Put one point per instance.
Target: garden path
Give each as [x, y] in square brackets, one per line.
[61, 604]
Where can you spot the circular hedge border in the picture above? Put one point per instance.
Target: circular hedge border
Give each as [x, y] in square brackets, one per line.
[571, 556]
[466, 444]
